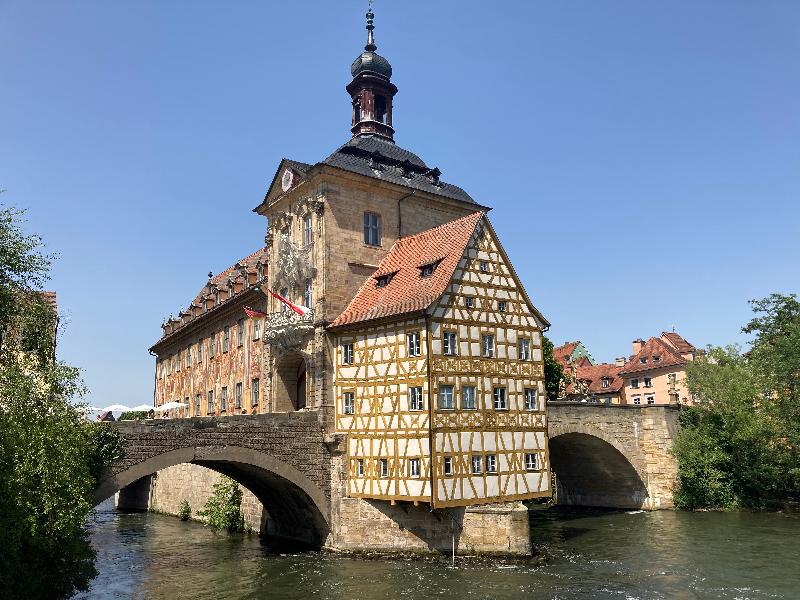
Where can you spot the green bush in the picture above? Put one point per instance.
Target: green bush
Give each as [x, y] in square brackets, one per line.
[133, 415]
[223, 510]
[185, 511]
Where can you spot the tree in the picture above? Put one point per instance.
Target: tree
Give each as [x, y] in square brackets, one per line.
[553, 372]
[50, 457]
[740, 444]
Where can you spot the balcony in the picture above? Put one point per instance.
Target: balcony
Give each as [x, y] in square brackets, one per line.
[285, 331]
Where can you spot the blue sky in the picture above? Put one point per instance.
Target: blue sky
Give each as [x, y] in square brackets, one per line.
[642, 159]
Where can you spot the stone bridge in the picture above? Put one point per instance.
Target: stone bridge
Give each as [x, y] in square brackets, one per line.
[282, 458]
[613, 455]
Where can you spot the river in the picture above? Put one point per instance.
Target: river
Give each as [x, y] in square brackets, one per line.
[581, 554]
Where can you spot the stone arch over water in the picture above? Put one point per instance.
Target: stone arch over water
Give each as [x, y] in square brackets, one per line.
[592, 468]
[300, 509]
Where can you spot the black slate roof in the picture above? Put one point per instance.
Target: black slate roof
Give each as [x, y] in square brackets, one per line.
[375, 157]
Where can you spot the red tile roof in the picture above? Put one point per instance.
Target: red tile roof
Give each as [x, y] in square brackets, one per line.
[655, 354]
[407, 291]
[563, 352]
[678, 342]
[595, 374]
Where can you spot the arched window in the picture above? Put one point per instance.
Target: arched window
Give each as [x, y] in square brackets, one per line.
[380, 109]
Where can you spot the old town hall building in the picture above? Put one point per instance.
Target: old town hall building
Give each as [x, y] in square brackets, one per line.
[406, 328]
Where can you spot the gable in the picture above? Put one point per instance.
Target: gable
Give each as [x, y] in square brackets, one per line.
[297, 174]
[499, 283]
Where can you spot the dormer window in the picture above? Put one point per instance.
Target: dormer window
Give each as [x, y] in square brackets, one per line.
[643, 360]
[427, 270]
[656, 358]
[383, 280]
[606, 383]
[216, 297]
[259, 271]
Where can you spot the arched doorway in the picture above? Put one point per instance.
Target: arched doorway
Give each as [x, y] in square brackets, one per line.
[291, 390]
[590, 471]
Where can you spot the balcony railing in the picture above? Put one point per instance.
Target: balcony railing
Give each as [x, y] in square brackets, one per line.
[286, 330]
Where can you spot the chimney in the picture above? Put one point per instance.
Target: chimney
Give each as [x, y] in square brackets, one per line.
[637, 346]
[620, 361]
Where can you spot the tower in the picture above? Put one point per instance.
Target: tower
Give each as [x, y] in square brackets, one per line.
[372, 90]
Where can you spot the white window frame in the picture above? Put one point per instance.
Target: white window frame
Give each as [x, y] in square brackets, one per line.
[502, 305]
[531, 461]
[348, 403]
[240, 333]
[450, 343]
[308, 230]
[637, 400]
[198, 401]
[372, 229]
[447, 466]
[360, 467]
[487, 346]
[256, 329]
[347, 354]
[491, 463]
[650, 398]
[413, 344]
[255, 391]
[414, 467]
[477, 464]
[415, 400]
[499, 398]
[473, 396]
[524, 348]
[447, 397]
[635, 383]
[469, 301]
[648, 382]
[384, 462]
[531, 399]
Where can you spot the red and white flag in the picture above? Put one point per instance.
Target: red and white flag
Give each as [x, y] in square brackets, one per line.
[300, 310]
[253, 313]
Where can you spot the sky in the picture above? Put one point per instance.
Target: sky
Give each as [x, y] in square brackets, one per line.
[642, 159]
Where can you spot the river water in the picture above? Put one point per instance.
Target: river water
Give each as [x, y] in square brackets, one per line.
[580, 555]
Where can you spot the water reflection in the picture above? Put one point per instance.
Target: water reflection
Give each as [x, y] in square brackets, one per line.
[581, 554]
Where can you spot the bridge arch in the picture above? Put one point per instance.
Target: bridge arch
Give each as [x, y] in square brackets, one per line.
[592, 468]
[299, 507]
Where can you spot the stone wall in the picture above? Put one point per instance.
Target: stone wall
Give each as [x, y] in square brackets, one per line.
[612, 455]
[193, 483]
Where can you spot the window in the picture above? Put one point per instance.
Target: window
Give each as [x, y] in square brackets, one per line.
[223, 400]
[349, 402]
[168, 366]
[468, 398]
[446, 401]
[499, 398]
[256, 328]
[210, 402]
[413, 344]
[469, 301]
[189, 356]
[240, 333]
[347, 354]
[259, 271]
[531, 399]
[308, 232]
[448, 465]
[285, 294]
[650, 398]
[501, 305]
[197, 401]
[648, 382]
[483, 266]
[384, 467]
[491, 463]
[477, 464]
[226, 338]
[254, 392]
[413, 467]
[488, 346]
[308, 299]
[415, 398]
[360, 467]
[634, 383]
[372, 229]
[524, 349]
[449, 343]
[200, 343]
[380, 108]
[383, 280]
[656, 358]
[238, 393]
[427, 270]
[637, 399]
[606, 383]
[212, 347]
[531, 462]
[643, 360]
[179, 361]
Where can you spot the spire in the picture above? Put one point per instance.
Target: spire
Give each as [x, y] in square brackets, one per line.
[371, 89]
[370, 47]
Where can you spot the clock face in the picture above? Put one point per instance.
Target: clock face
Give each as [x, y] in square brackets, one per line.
[286, 180]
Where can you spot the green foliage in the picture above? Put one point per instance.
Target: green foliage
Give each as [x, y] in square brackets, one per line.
[223, 510]
[50, 456]
[553, 372]
[185, 511]
[133, 415]
[740, 446]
